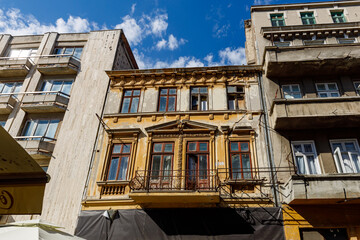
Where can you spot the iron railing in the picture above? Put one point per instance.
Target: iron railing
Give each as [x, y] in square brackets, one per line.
[34, 138]
[14, 95]
[175, 180]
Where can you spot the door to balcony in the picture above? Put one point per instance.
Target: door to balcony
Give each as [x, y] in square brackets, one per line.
[197, 175]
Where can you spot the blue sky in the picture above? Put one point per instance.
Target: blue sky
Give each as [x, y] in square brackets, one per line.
[162, 33]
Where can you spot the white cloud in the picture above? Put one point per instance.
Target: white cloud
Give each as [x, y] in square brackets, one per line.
[132, 30]
[133, 8]
[172, 43]
[232, 56]
[220, 31]
[262, 2]
[14, 22]
[159, 24]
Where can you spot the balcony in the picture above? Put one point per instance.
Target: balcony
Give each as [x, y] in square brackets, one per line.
[47, 101]
[175, 186]
[58, 64]
[14, 67]
[308, 113]
[39, 147]
[7, 103]
[325, 59]
[322, 189]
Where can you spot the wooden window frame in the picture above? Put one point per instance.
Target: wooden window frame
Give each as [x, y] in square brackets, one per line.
[239, 152]
[131, 99]
[275, 22]
[237, 95]
[199, 95]
[167, 98]
[162, 154]
[119, 155]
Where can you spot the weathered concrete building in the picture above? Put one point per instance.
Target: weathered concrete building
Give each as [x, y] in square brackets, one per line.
[51, 88]
[310, 54]
[181, 154]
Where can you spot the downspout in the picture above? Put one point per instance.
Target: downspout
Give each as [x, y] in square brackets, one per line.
[269, 149]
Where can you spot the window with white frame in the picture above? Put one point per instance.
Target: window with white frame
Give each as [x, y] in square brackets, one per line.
[63, 86]
[357, 87]
[347, 155]
[10, 87]
[327, 90]
[22, 53]
[305, 156]
[41, 128]
[74, 51]
[291, 91]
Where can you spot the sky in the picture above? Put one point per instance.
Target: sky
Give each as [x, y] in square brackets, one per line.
[161, 33]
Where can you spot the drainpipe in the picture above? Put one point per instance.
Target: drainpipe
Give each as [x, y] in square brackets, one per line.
[269, 149]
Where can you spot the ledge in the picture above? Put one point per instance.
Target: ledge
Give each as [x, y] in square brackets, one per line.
[112, 183]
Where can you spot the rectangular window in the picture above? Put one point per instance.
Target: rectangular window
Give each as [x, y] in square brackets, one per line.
[2, 123]
[161, 163]
[73, 51]
[41, 128]
[314, 42]
[282, 43]
[327, 90]
[235, 96]
[167, 100]
[130, 103]
[307, 18]
[197, 165]
[347, 155]
[119, 162]
[323, 234]
[22, 53]
[305, 157]
[346, 40]
[357, 87]
[63, 86]
[291, 91]
[199, 98]
[10, 87]
[240, 160]
[338, 16]
[277, 20]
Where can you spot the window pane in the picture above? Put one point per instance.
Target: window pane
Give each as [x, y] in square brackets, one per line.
[128, 92]
[295, 88]
[297, 95]
[2, 123]
[308, 148]
[158, 147]
[332, 86]
[113, 168]
[46, 86]
[335, 94]
[52, 128]
[163, 91]
[167, 167]
[323, 95]
[136, 93]
[231, 89]
[57, 51]
[117, 148]
[17, 88]
[67, 87]
[337, 145]
[286, 88]
[347, 163]
[244, 147]
[125, 105]
[8, 87]
[194, 103]
[203, 90]
[195, 90]
[29, 127]
[235, 166]
[311, 164]
[126, 148]
[123, 168]
[134, 105]
[234, 146]
[69, 51]
[14, 53]
[56, 86]
[172, 91]
[350, 146]
[1, 87]
[231, 103]
[203, 167]
[321, 87]
[245, 159]
[297, 148]
[171, 106]
[356, 161]
[203, 102]
[78, 52]
[168, 147]
[300, 164]
[162, 106]
[203, 146]
[155, 168]
[41, 127]
[192, 146]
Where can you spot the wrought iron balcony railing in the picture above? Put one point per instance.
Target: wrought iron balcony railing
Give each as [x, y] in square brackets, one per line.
[175, 180]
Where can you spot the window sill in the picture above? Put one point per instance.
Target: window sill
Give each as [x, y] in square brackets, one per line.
[113, 183]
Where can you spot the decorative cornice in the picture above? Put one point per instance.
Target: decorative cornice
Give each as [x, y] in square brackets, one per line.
[183, 76]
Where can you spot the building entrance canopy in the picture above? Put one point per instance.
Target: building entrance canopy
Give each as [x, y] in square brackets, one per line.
[22, 180]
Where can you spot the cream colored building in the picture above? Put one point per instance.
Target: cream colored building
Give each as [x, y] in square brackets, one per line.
[51, 88]
[310, 54]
